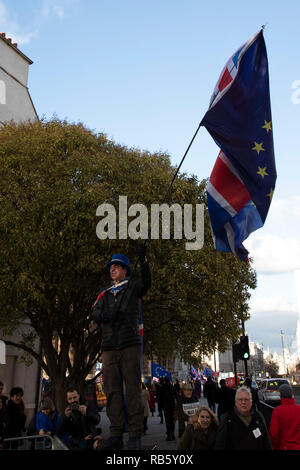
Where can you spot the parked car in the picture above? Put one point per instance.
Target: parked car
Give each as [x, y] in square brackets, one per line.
[269, 392]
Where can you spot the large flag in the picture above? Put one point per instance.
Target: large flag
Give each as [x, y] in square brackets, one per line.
[159, 371]
[242, 182]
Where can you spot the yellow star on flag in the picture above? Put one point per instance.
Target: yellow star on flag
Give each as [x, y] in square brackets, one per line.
[271, 193]
[267, 126]
[258, 147]
[262, 172]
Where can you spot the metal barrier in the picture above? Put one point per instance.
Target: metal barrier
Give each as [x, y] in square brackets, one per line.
[36, 442]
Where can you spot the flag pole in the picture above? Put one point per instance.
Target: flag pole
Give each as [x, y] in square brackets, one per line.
[182, 160]
[164, 199]
[170, 185]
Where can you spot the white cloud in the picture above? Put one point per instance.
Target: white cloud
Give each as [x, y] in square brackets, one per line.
[20, 39]
[274, 254]
[273, 307]
[264, 327]
[57, 8]
[275, 247]
[285, 208]
[272, 304]
[10, 26]
[53, 7]
[48, 10]
[3, 12]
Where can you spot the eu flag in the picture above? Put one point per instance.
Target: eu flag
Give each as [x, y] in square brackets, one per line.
[207, 372]
[159, 371]
[242, 182]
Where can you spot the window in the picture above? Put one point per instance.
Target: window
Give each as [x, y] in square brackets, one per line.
[274, 385]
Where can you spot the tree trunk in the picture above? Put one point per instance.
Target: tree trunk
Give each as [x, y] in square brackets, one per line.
[60, 390]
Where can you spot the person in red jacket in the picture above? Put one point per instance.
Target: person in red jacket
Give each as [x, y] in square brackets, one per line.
[285, 422]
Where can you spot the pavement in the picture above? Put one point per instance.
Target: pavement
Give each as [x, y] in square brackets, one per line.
[155, 436]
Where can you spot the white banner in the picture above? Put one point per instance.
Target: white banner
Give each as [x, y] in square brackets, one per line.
[190, 408]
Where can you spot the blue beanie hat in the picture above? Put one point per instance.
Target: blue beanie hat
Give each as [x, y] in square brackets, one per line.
[120, 259]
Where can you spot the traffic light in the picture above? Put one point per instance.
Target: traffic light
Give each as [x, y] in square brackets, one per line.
[244, 348]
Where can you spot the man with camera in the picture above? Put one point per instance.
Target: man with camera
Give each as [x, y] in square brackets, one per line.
[79, 421]
[117, 312]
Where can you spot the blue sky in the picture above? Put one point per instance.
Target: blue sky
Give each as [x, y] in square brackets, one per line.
[143, 72]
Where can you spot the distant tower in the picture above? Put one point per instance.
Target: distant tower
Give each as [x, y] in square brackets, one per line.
[297, 282]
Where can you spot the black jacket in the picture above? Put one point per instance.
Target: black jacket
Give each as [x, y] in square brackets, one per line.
[182, 417]
[210, 390]
[168, 395]
[15, 419]
[2, 425]
[225, 398]
[196, 440]
[233, 434]
[118, 314]
[78, 426]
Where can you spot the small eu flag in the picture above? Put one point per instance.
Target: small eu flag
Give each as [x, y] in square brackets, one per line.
[159, 371]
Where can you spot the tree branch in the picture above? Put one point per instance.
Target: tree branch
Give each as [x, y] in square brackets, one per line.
[29, 351]
[162, 323]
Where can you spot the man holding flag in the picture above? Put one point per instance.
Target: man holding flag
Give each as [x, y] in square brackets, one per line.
[117, 311]
[241, 186]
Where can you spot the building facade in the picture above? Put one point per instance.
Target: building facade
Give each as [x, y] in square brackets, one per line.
[15, 100]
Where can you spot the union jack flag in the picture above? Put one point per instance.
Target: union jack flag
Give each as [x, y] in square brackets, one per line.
[228, 73]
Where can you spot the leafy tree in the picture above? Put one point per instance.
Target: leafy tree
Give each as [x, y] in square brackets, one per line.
[54, 175]
[271, 367]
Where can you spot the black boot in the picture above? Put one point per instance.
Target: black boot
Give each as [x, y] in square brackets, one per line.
[112, 443]
[134, 443]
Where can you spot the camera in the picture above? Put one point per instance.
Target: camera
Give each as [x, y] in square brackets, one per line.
[74, 406]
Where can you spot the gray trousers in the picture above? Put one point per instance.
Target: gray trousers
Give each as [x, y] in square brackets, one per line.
[122, 369]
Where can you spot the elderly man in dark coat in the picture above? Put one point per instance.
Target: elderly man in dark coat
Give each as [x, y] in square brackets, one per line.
[243, 428]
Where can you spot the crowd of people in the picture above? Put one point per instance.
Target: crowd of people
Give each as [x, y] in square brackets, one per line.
[230, 421]
[76, 426]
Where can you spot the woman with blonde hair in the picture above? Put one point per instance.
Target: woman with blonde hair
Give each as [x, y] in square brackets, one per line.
[201, 432]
